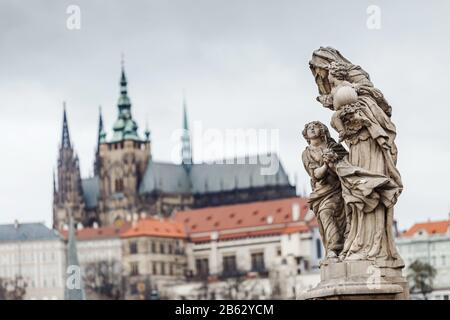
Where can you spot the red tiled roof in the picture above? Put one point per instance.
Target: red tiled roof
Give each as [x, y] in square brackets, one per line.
[154, 227]
[431, 227]
[98, 233]
[294, 229]
[256, 218]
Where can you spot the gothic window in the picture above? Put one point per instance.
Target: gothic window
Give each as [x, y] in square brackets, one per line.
[119, 185]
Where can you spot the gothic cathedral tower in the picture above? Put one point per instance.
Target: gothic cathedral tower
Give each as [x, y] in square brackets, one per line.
[67, 190]
[121, 161]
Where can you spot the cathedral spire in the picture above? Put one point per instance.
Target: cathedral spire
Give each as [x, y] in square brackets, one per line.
[65, 142]
[124, 101]
[54, 184]
[186, 150]
[100, 127]
[100, 140]
[125, 128]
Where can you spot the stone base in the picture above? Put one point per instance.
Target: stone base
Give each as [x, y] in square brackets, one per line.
[358, 280]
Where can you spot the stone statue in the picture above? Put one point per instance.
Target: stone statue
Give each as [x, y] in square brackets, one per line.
[354, 192]
[326, 199]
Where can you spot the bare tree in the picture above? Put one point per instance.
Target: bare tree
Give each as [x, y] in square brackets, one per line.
[103, 279]
[13, 289]
[233, 281]
[421, 276]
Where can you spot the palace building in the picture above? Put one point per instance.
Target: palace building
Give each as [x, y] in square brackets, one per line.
[127, 182]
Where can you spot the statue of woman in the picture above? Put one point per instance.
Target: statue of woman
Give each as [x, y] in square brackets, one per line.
[369, 178]
[326, 197]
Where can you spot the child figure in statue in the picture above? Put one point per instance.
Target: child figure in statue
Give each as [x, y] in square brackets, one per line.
[326, 197]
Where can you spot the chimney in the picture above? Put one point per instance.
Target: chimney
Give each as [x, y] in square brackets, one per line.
[295, 212]
[16, 224]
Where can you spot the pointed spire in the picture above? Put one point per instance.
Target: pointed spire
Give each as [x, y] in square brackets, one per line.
[74, 282]
[124, 100]
[65, 142]
[100, 139]
[147, 131]
[123, 78]
[54, 182]
[185, 120]
[186, 149]
[100, 127]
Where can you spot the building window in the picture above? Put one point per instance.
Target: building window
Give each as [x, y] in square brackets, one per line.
[161, 248]
[229, 265]
[154, 268]
[202, 267]
[171, 271]
[134, 268]
[258, 262]
[133, 247]
[170, 248]
[153, 247]
[319, 248]
[133, 288]
[443, 260]
[163, 268]
[445, 296]
[278, 251]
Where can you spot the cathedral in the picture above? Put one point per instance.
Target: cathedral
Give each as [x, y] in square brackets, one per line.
[128, 184]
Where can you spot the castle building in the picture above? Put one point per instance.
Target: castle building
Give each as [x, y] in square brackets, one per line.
[128, 183]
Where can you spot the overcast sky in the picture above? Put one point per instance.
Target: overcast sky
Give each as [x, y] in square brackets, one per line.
[243, 64]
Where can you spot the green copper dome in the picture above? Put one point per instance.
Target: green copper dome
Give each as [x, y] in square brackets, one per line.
[125, 128]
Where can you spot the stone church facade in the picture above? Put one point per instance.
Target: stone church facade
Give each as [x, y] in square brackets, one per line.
[128, 184]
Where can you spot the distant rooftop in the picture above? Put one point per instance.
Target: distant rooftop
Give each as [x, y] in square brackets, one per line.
[430, 228]
[282, 216]
[156, 227]
[98, 233]
[27, 232]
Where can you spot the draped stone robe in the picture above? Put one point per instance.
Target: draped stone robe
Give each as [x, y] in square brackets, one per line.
[371, 185]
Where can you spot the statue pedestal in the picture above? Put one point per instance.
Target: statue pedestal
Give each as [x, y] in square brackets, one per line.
[358, 280]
